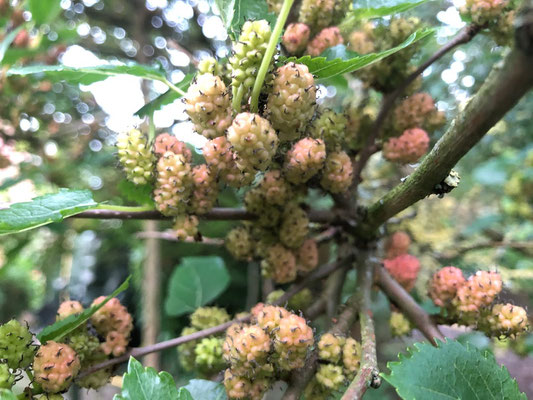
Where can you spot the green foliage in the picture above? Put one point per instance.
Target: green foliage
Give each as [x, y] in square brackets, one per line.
[140, 194]
[450, 371]
[44, 11]
[206, 390]
[44, 210]
[7, 41]
[146, 384]
[235, 12]
[88, 75]
[167, 98]
[6, 394]
[194, 283]
[62, 328]
[338, 60]
[383, 11]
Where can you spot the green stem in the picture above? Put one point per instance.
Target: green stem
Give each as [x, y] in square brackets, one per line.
[237, 93]
[111, 207]
[151, 128]
[269, 53]
[173, 87]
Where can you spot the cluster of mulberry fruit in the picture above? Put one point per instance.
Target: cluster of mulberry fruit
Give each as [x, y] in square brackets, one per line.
[497, 15]
[472, 302]
[276, 341]
[339, 361]
[402, 266]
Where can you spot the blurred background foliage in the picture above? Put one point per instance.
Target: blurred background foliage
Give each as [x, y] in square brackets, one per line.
[62, 136]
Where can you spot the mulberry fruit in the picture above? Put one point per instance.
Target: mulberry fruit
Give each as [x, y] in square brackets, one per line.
[240, 243]
[279, 264]
[397, 244]
[113, 316]
[296, 37]
[185, 227]
[361, 42]
[173, 185]
[237, 387]
[209, 355]
[507, 320]
[294, 226]
[68, 308]
[135, 156]
[304, 160]
[255, 203]
[316, 391]
[399, 325]
[330, 127]
[338, 172]
[254, 141]
[275, 189]
[247, 349]
[204, 190]
[209, 65]
[351, 357]
[84, 344]
[55, 366]
[292, 341]
[115, 343]
[292, 102]
[97, 379]
[7, 380]
[167, 142]
[478, 291]
[408, 148]
[330, 347]
[326, 38]
[307, 256]
[301, 300]
[208, 105]
[186, 354]
[318, 14]
[207, 317]
[248, 53]
[16, 345]
[404, 269]
[444, 285]
[484, 11]
[417, 111]
[330, 376]
[268, 317]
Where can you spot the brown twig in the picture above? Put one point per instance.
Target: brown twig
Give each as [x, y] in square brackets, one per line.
[368, 374]
[171, 236]
[408, 305]
[216, 214]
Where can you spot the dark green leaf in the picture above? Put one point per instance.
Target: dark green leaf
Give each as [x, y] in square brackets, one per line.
[338, 60]
[379, 12]
[140, 194]
[146, 384]
[451, 371]
[166, 98]
[194, 283]
[7, 41]
[88, 75]
[235, 13]
[183, 394]
[201, 389]
[62, 328]
[44, 11]
[44, 210]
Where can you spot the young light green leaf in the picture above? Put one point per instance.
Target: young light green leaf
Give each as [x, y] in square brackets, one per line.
[44, 210]
[206, 390]
[338, 60]
[380, 12]
[235, 13]
[88, 75]
[146, 384]
[194, 283]
[451, 371]
[164, 99]
[44, 11]
[8, 39]
[6, 394]
[62, 328]
[140, 194]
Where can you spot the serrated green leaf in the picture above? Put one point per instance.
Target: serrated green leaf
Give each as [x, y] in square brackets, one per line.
[146, 384]
[44, 11]
[62, 328]
[380, 12]
[6, 394]
[140, 194]
[206, 390]
[338, 60]
[451, 371]
[44, 210]
[235, 13]
[7, 41]
[194, 283]
[88, 75]
[166, 98]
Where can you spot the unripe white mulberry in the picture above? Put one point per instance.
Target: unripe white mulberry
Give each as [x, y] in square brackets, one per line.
[204, 190]
[307, 256]
[338, 172]
[167, 142]
[294, 226]
[55, 366]
[304, 160]
[135, 155]
[173, 184]
[330, 126]
[279, 264]
[185, 226]
[240, 243]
